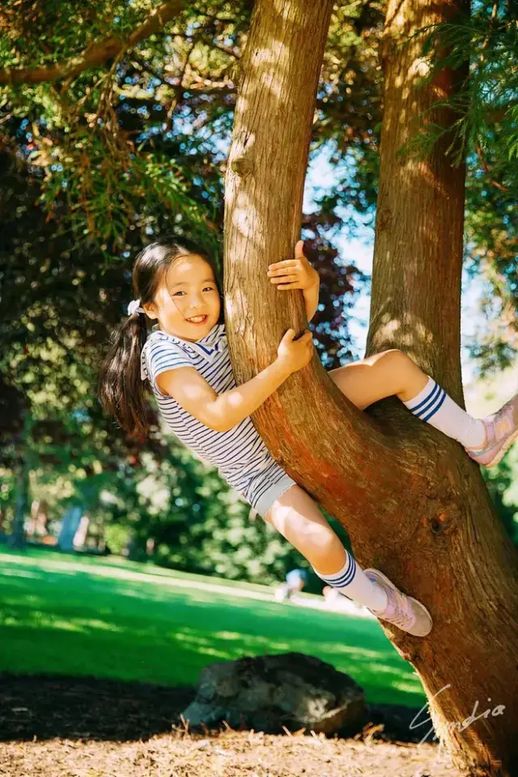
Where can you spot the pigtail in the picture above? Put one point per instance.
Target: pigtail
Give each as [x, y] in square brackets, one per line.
[121, 390]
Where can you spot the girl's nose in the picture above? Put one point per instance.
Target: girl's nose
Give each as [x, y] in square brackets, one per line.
[195, 303]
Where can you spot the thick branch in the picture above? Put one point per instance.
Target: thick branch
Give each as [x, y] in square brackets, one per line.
[96, 54]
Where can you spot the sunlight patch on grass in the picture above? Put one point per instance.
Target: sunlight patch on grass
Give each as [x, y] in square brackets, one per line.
[90, 617]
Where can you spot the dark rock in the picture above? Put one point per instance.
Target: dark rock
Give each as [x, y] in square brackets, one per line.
[267, 692]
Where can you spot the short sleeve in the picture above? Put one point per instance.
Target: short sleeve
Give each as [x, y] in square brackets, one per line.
[162, 355]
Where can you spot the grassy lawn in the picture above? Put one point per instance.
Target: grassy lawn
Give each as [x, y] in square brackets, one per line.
[110, 617]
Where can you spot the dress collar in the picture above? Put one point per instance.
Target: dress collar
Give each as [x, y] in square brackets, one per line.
[207, 346]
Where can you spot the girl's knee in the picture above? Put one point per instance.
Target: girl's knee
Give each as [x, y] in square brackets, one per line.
[394, 354]
[396, 359]
[304, 533]
[321, 538]
[295, 511]
[298, 518]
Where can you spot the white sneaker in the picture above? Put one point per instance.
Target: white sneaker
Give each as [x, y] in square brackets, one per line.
[403, 611]
[501, 432]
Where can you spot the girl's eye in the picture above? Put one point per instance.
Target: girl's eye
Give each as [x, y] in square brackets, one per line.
[207, 288]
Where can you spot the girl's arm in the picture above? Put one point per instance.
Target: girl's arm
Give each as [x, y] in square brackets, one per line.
[297, 273]
[223, 411]
[311, 294]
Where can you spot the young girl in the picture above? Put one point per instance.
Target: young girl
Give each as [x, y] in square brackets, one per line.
[186, 361]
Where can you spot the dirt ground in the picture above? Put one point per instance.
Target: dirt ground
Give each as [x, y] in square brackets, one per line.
[87, 727]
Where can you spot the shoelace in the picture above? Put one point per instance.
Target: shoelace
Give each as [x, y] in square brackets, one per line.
[490, 434]
[402, 617]
[503, 425]
[497, 428]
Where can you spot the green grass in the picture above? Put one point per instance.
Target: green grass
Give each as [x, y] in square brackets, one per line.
[114, 618]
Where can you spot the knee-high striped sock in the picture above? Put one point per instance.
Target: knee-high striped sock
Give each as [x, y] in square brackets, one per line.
[353, 583]
[434, 406]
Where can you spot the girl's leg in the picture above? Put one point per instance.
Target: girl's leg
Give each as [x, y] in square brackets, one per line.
[297, 517]
[378, 376]
[392, 372]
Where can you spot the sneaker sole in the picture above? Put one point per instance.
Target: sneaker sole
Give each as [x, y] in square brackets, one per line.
[394, 587]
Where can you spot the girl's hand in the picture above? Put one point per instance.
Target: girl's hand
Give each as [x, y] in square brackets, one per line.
[295, 354]
[296, 273]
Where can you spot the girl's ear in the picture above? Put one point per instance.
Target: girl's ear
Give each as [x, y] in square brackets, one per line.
[150, 311]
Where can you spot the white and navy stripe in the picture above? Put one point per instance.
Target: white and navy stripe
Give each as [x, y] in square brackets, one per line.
[431, 403]
[239, 454]
[343, 578]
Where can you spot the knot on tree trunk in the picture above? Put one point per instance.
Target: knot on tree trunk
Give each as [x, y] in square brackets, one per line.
[242, 165]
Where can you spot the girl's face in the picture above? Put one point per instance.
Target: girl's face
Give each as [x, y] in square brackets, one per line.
[187, 302]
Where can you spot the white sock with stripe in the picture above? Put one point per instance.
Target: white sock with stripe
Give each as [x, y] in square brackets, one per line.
[353, 583]
[434, 406]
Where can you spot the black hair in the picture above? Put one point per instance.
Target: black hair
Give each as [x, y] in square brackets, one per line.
[121, 390]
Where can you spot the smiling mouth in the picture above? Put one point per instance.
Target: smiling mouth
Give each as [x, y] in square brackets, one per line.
[197, 319]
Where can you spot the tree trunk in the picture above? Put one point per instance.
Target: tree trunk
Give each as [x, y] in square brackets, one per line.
[21, 507]
[383, 468]
[22, 495]
[415, 306]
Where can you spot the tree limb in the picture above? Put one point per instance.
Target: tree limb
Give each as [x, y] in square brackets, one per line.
[95, 54]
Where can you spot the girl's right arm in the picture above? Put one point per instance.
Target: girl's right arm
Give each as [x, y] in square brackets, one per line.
[223, 411]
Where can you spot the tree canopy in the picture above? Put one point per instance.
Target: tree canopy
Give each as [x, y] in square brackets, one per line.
[115, 127]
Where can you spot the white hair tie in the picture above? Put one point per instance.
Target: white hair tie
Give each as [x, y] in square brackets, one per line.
[134, 307]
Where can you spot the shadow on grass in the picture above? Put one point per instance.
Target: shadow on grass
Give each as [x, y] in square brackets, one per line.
[47, 706]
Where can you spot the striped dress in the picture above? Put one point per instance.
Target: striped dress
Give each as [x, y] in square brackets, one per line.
[239, 454]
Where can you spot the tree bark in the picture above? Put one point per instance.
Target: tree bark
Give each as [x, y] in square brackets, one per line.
[415, 306]
[412, 502]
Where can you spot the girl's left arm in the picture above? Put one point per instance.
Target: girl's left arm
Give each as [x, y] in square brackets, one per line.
[311, 294]
[298, 273]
